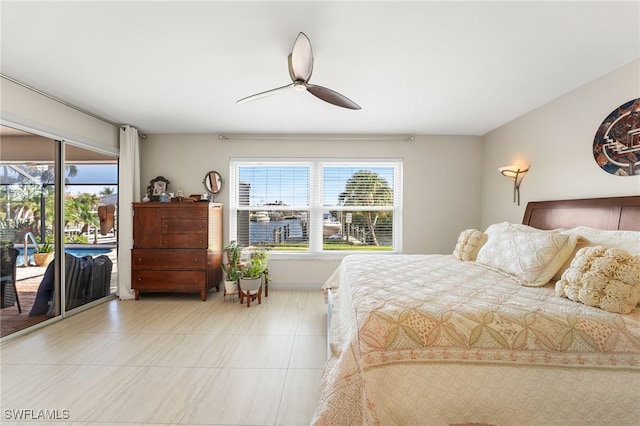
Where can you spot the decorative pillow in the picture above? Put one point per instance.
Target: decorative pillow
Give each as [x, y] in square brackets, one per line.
[531, 257]
[497, 228]
[607, 278]
[469, 244]
[628, 241]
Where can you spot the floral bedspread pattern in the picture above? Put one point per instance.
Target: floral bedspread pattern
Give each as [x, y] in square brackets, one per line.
[436, 309]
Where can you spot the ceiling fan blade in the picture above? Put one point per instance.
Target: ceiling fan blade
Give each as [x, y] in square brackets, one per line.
[332, 97]
[300, 69]
[301, 59]
[263, 94]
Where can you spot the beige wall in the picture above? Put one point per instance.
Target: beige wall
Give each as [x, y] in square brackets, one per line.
[443, 193]
[557, 140]
[450, 182]
[441, 185]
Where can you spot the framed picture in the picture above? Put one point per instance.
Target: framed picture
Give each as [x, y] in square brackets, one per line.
[156, 187]
[615, 146]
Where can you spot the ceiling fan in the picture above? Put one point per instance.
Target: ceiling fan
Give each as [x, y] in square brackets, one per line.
[300, 68]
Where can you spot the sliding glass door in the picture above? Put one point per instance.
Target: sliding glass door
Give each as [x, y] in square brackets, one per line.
[90, 225]
[55, 198]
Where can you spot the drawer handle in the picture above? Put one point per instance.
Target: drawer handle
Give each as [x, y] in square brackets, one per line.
[140, 259]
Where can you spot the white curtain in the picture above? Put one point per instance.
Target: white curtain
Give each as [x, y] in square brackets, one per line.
[128, 192]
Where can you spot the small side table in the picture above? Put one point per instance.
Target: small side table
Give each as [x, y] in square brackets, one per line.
[266, 282]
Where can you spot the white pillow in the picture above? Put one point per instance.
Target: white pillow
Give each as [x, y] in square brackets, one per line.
[532, 257]
[628, 241]
[469, 243]
[606, 278]
[503, 226]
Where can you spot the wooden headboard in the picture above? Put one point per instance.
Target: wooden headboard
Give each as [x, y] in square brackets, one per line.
[621, 213]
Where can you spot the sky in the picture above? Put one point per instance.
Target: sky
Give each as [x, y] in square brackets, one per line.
[93, 178]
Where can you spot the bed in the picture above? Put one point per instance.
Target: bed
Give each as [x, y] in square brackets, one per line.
[507, 330]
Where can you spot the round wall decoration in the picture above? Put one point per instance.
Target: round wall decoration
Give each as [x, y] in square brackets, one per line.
[616, 147]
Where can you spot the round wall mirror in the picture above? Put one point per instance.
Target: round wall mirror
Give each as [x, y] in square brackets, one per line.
[212, 182]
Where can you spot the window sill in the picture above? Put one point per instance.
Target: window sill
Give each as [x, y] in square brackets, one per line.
[328, 256]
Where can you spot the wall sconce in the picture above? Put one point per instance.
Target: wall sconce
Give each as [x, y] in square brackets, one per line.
[515, 173]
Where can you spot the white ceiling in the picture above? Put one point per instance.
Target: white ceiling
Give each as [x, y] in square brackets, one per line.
[414, 67]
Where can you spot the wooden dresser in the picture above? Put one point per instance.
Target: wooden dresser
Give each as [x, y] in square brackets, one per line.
[177, 247]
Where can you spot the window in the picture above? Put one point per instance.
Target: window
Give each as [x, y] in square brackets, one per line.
[316, 205]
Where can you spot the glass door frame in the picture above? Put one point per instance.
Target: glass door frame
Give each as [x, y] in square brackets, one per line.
[60, 161]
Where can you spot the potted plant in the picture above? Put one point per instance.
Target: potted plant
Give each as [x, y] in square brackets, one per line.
[232, 248]
[232, 269]
[43, 254]
[253, 268]
[252, 272]
[262, 254]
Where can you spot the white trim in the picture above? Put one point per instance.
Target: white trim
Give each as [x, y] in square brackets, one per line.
[327, 137]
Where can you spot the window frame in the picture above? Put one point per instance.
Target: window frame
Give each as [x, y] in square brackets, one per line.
[316, 207]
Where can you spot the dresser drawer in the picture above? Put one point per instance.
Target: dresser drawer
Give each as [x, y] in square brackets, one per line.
[184, 226]
[169, 259]
[186, 241]
[178, 281]
[194, 212]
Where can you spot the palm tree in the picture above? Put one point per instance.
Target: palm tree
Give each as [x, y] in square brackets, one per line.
[47, 175]
[366, 188]
[79, 210]
[26, 199]
[87, 205]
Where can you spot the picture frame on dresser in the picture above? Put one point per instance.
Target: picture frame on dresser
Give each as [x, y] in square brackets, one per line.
[157, 186]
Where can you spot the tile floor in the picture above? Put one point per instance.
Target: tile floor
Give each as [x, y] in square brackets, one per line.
[171, 359]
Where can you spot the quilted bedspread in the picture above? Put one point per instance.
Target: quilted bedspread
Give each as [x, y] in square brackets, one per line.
[429, 339]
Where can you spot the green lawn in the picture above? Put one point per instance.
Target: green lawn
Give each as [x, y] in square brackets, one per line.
[329, 246]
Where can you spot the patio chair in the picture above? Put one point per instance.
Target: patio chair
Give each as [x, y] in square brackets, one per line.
[8, 289]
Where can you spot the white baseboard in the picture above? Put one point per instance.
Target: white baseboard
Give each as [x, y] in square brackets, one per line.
[292, 286]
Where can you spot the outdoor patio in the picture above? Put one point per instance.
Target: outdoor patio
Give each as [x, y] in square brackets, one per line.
[27, 282]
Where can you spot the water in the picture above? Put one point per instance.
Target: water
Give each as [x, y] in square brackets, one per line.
[77, 252]
[263, 231]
